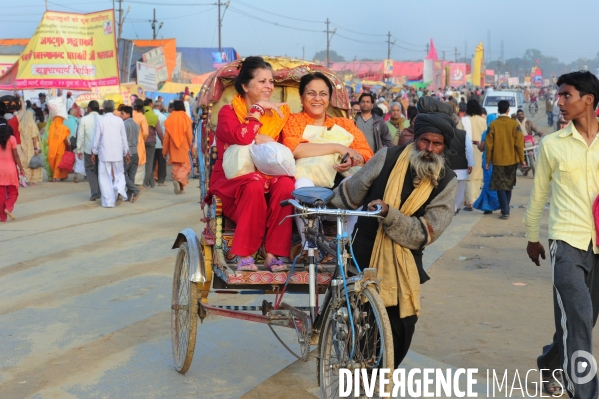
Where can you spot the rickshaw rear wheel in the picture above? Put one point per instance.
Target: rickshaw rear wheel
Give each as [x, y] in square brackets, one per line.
[374, 341]
[184, 312]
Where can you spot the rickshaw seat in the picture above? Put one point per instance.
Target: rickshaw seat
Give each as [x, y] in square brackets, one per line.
[313, 196]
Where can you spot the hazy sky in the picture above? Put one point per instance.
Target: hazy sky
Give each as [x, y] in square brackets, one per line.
[566, 30]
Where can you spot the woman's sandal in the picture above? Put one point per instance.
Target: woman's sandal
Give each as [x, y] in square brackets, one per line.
[247, 265]
[276, 265]
[551, 384]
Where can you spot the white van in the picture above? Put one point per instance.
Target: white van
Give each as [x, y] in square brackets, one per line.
[492, 98]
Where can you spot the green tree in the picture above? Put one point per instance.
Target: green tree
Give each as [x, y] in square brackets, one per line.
[333, 56]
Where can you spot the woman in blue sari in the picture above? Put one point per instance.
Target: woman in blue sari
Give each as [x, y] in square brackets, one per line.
[487, 201]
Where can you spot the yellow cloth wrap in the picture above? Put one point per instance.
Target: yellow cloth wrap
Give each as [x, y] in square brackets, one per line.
[272, 123]
[395, 264]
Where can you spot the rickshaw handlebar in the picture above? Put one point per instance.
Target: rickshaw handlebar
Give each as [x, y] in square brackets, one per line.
[332, 211]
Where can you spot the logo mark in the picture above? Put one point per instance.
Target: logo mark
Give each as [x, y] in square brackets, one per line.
[586, 364]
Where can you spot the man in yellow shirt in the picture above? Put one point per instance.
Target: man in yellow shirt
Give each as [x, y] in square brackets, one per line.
[568, 164]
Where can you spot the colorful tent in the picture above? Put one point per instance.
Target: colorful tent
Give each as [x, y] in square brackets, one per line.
[171, 87]
[373, 70]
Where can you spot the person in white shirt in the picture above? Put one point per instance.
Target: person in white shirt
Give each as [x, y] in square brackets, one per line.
[187, 106]
[111, 146]
[70, 101]
[158, 154]
[85, 140]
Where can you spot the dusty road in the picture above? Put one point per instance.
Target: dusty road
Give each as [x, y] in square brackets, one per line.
[85, 309]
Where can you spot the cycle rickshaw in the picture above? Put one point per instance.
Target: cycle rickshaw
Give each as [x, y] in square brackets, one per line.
[350, 327]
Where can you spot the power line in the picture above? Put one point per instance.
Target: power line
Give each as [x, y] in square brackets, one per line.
[13, 20]
[245, 14]
[189, 15]
[409, 44]
[357, 33]
[62, 5]
[253, 7]
[171, 4]
[359, 41]
[134, 30]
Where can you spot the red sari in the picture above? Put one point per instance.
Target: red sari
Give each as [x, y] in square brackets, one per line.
[252, 200]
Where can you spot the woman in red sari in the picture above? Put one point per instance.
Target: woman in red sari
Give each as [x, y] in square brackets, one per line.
[252, 200]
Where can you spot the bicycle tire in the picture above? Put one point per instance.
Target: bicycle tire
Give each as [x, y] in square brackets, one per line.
[366, 345]
[184, 312]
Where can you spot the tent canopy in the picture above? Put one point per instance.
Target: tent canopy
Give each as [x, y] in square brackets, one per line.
[171, 87]
[374, 69]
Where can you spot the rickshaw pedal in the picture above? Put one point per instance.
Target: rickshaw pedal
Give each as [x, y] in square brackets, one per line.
[266, 307]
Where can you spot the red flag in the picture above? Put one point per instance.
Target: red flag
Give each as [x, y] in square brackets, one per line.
[537, 60]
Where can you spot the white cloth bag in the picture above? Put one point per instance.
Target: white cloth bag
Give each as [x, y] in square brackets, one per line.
[237, 161]
[319, 169]
[273, 159]
[57, 107]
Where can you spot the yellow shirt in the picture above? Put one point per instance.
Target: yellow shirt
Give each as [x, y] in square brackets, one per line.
[571, 168]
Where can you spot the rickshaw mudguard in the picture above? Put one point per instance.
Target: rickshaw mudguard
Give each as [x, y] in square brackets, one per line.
[197, 268]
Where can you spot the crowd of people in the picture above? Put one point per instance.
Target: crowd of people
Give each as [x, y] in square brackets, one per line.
[67, 139]
[154, 133]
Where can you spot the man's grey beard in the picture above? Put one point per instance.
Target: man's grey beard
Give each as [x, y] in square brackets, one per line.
[426, 165]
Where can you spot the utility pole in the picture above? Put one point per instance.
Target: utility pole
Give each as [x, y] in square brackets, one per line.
[443, 55]
[329, 41]
[389, 45]
[427, 45]
[489, 44]
[220, 22]
[120, 23]
[154, 30]
[456, 54]
[466, 50]
[46, 5]
[303, 52]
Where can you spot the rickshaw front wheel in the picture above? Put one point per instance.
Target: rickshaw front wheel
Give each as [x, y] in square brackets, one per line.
[184, 312]
[373, 341]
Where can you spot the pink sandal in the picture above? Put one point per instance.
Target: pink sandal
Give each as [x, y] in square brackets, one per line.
[247, 265]
[276, 265]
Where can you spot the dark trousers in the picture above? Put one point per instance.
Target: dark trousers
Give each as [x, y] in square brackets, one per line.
[504, 197]
[130, 171]
[149, 178]
[575, 308]
[161, 165]
[91, 171]
[403, 331]
[549, 118]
